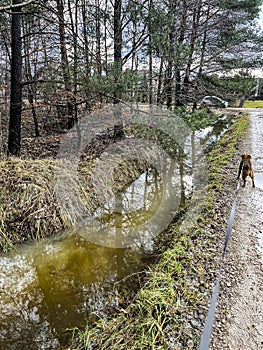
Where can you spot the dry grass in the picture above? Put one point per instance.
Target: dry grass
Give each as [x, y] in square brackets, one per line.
[29, 208]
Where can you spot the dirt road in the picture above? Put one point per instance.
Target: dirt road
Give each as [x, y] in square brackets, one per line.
[239, 316]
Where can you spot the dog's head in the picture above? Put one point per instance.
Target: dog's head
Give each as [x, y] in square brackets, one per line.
[246, 156]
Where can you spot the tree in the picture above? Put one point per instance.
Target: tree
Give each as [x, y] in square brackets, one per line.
[105, 51]
[15, 6]
[117, 24]
[14, 137]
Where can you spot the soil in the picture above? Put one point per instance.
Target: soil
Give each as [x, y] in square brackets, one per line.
[238, 321]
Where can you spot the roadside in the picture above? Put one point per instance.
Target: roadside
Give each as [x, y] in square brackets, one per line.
[239, 314]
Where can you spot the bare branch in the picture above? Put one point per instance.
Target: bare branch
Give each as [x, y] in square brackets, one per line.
[11, 7]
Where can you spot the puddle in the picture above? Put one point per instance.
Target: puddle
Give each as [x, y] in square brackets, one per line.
[260, 243]
[59, 283]
[259, 180]
[49, 287]
[211, 135]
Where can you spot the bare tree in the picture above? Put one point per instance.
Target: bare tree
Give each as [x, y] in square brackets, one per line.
[14, 137]
[117, 49]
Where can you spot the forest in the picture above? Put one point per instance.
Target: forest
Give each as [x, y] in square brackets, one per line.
[63, 58]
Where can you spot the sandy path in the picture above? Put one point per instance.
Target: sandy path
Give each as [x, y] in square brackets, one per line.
[239, 315]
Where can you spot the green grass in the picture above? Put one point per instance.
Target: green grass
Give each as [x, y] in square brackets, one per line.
[159, 315]
[253, 104]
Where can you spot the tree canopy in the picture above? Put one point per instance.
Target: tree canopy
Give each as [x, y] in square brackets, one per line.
[82, 52]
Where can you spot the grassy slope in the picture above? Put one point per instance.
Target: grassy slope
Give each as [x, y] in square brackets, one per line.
[253, 104]
[168, 312]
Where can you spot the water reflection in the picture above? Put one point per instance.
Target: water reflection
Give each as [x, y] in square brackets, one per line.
[259, 180]
[212, 134]
[49, 287]
[134, 217]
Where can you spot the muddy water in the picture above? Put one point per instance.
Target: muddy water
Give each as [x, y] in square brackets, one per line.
[57, 284]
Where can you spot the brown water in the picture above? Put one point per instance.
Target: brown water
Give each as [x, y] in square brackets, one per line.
[52, 286]
[57, 284]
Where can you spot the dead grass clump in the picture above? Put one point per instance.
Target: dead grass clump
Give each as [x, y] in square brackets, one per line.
[28, 206]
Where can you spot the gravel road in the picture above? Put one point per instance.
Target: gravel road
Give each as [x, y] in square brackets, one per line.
[239, 315]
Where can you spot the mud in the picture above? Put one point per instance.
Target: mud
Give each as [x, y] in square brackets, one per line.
[239, 316]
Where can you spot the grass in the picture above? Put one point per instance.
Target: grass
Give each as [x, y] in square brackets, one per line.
[161, 313]
[27, 201]
[253, 104]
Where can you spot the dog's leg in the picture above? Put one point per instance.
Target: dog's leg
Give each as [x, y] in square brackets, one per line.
[252, 178]
[244, 179]
[240, 168]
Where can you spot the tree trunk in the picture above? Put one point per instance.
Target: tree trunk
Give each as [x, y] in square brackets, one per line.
[63, 48]
[194, 37]
[181, 38]
[28, 73]
[117, 50]
[14, 137]
[171, 55]
[98, 38]
[150, 31]
[159, 85]
[72, 104]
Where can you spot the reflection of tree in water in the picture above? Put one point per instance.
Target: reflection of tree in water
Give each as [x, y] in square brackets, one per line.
[144, 197]
[215, 131]
[22, 325]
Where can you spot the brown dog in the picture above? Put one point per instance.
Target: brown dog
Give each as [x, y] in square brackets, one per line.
[246, 168]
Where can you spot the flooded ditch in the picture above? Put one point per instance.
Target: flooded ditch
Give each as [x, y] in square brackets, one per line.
[59, 283]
